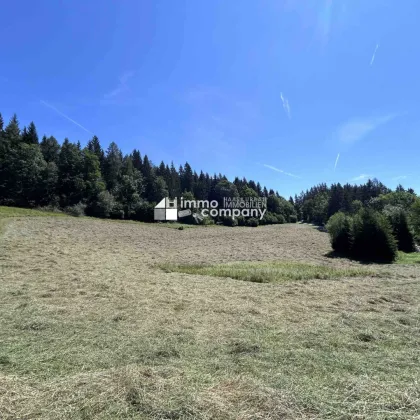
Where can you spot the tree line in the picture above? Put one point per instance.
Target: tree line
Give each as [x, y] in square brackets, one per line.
[107, 183]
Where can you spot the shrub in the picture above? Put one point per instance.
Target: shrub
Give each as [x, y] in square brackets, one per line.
[104, 205]
[339, 229]
[402, 233]
[268, 219]
[293, 218]
[76, 210]
[228, 221]
[117, 211]
[241, 221]
[252, 222]
[372, 237]
[144, 212]
[280, 219]
[207, 221]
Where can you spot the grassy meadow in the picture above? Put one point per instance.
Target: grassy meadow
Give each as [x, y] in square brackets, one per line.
[104, 320]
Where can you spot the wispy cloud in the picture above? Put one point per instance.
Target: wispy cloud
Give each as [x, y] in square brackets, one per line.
[356, 129]
[65, 116]
[122, 85]
[362, 177]
[218, 116]
[374, 55]
[336, 162]
[286, 105]
[280, 170]
[400, 178]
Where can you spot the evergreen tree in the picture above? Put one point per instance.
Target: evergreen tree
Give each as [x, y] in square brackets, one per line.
[30, 135]
[11, 133]
[112, 167]
[187, 178]
[70, 185]
[50, 149]
[95, 147]
[137, 160]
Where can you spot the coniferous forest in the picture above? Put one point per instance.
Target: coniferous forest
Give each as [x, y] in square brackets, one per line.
[43, 173]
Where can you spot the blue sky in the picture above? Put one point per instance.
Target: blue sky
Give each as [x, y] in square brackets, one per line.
[289, 93]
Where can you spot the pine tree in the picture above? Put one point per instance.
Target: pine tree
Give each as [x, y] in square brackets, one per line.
[175, 184]
[30, 135]
[112, 166]
[92, 176]
[70, 185]
[50, 149]
[95, 147]
[187, 178]
[137, 160]
[12, 132]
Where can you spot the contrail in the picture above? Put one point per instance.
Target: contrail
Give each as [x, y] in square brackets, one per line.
[280, 170]
[374, 54]
[66, 117]
[336, 161]
[286, 105]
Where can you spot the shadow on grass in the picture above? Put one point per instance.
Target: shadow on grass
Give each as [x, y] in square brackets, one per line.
[341, 255]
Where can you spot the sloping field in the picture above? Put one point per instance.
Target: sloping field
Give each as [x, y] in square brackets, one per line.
[101, 320]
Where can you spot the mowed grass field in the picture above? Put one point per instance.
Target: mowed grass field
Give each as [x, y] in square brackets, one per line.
[103, 320]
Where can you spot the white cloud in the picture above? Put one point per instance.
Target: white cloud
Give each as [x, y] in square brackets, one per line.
[286, 105]
[280, 170]
[356, 129]
[361, 177]
[399, 178]
[374, 55]
[122, 85]
[66, 116]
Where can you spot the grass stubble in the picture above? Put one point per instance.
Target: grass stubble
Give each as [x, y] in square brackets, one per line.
[93, 328]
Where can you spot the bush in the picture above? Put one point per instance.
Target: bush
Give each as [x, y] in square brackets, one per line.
[280, 219]
[228, 221]
[402, 233]
[339, 229]
[372, 237]
[103, 206]
[207, 221]
[144, 212]
[293, 218]
[241, 221]
[268, 219]
[252, 222]
[76, 210]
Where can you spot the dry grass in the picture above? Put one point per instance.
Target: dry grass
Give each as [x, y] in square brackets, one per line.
[93, 329]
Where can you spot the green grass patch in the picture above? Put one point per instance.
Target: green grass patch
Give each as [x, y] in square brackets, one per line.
[408, 258]
[21, 212]
[6, 212]
[268, 272]
[9, 212]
